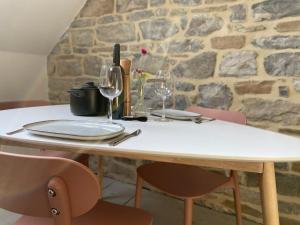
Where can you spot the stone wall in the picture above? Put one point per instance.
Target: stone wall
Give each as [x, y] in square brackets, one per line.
[231, 54]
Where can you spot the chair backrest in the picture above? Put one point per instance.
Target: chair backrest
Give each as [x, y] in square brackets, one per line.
[24, 184]
[22, 104]
[235, 117]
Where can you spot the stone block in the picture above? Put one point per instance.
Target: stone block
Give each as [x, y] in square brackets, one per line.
[92, 65]
[275, 9]
[178, 12]
[214, 95]
[283, 64]
[158, 29]
[79, 23]
[116, 33]
[284, 91]
[238, 13]
[188, 2]
[130, 5]
[288, 184]
[60, 84]
[51, 67]
[253, 87]
[69, 66]
[96, 8]
[228, 42]
[140, 15]
[157, 2]
[239, 64]
[248, 29]
[184, 22]
[79, 50]
[210, 9]
[202, 25]
[109, 19]
[83, 38]
[151, 63]
[181, 46]
[278, 42]
[184, 86]
[181, 102]
[289, 26]
[270, 110]
[201, 66]
[161, 12]
[296, 84]
[59, 97]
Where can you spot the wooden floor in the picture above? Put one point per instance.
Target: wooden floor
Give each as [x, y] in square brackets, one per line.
[166, 210]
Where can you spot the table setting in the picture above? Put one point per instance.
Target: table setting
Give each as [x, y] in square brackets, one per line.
[111, 97]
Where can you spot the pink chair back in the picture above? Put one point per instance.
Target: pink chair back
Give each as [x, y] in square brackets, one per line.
[235, 117]
[24, 182]
[22, 104]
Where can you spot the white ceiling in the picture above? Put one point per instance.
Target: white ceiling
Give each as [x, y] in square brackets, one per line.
[35, 26]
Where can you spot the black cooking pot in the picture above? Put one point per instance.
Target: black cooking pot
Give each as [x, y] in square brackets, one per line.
[87, 101]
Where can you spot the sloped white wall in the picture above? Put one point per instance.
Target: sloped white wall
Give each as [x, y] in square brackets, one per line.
[28, 31]
[23, 76]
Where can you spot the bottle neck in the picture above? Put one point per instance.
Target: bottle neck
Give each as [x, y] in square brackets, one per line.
[117, 55]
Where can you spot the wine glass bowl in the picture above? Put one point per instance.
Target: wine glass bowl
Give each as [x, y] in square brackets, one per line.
[110, 84]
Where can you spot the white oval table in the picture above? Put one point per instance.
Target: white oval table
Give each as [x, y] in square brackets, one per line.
[214, 144]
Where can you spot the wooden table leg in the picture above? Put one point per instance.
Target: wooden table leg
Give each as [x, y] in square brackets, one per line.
[100, 173]
[269, 195]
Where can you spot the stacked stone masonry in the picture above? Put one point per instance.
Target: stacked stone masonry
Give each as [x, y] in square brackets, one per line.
[239, 55]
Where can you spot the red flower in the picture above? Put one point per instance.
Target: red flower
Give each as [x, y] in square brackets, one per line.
[144, 51]
[139, 71]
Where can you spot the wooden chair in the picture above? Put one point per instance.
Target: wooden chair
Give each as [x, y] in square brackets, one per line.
[58, 191]
[22, 104]
[82, 158]
[191, 182]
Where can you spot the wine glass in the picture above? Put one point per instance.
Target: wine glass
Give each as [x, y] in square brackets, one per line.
[110, 84]
[164, 86]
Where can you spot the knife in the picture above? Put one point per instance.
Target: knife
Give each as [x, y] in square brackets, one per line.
[126, 137]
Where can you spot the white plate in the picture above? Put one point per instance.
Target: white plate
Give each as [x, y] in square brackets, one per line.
[177, 114]
[75, 129]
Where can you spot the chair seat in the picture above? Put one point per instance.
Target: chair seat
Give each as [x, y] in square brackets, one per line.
[181, 180]
[103, 213]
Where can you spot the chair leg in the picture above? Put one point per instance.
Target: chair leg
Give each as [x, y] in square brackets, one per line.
[237, 199]
[138, 191]
[188, 211]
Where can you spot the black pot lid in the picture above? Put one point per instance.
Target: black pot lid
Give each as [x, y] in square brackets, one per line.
[89, 85]
[86, 86]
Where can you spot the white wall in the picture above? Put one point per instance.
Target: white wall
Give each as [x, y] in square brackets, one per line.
[35, 26]
[28, 32]
[22, 77]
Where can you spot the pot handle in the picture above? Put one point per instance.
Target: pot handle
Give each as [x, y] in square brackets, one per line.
[77, 93]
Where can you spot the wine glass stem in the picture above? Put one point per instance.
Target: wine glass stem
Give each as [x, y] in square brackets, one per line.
[163, 108]
[110, 110]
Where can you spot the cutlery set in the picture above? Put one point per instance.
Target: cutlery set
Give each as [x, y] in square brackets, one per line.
[58, 129]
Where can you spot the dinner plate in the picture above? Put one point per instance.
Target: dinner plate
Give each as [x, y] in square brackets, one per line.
[176, 114]
[75, 129]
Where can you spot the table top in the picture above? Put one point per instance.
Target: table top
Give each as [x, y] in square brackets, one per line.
[216, 140]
